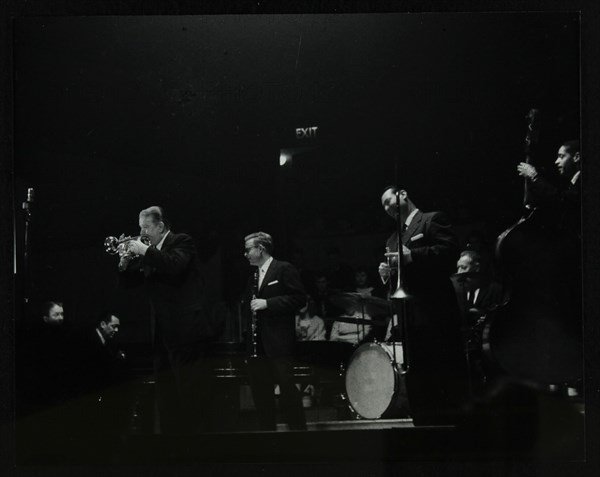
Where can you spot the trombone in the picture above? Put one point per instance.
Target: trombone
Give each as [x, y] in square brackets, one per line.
[399, 293]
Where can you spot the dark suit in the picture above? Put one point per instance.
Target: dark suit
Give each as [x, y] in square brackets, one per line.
[436, 378]
[562, 202]
[476, 313]
[180, 330]
[276, 338]
[49, 378]
[489, 297]
[104, 398]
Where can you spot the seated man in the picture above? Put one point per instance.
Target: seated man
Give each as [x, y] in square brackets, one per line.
[50, 356]
[104, 396]
[476, 294]
[348, 332]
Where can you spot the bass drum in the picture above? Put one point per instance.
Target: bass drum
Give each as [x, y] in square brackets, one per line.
[375, 386]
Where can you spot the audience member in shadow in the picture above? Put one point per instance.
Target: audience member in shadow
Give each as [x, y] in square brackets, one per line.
[322, 298]
[309, 326]
[339, 274]
[365, 285]
[306, 275]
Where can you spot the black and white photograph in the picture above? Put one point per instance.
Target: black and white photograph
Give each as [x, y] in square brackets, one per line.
[297, 238]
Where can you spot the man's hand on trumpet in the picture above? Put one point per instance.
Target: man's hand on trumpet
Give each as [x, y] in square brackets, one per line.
[137, 247]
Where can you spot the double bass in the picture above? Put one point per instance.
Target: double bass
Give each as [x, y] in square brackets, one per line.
[536, 334]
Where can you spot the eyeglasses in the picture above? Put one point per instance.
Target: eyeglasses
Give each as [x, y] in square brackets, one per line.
[247, 250]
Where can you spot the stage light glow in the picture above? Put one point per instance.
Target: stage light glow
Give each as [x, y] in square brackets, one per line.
[284, 159]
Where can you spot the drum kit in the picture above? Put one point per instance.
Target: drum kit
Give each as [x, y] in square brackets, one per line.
[373, 371]
[374, 382]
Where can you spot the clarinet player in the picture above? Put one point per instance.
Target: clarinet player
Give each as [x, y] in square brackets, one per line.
[278, 295]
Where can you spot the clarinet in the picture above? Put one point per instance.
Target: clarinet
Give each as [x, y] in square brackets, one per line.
[254, 322]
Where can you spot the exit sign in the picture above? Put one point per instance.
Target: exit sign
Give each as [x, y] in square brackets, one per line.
[306, 133]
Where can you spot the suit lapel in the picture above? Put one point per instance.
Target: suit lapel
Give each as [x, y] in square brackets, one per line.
[270, 273]
[414, 225]
[149, 270]
[168, 241]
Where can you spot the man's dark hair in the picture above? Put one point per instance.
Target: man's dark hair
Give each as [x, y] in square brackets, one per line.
[571, 146]
[263, 239]
[48, 305]
[157, 214]
[395, 189]
[105, 316]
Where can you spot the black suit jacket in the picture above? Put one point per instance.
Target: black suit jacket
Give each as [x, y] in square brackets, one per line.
[490, 296]
[173, 280]
[100, 365]
[561, 202]
[285, 295]
[434, 250]
[433, 319]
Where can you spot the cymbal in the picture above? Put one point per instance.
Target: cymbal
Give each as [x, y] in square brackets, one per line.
[370, 305]
[358, 321]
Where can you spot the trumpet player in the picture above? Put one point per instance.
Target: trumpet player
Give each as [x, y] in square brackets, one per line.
[170, 270]
[436, 375]
[278, 296]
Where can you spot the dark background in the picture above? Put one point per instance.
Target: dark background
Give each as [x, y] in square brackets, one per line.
[114, 114]
[75, 268]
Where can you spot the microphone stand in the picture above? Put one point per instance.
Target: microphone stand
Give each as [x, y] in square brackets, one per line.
[27, 208]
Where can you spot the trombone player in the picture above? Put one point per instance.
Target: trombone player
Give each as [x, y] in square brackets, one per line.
[436, 378]
[169, 269]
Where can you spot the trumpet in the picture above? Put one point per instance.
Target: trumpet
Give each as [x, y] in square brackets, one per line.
[114, 245]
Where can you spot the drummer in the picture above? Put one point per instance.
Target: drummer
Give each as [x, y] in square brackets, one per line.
[364, 286]
[351, 332]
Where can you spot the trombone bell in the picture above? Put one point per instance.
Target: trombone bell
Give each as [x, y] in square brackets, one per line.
[391, 256]
[400, 293]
